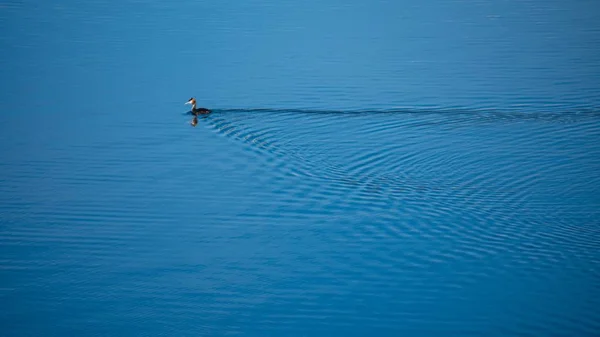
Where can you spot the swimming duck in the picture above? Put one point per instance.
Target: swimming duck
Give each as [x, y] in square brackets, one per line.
[195, 110]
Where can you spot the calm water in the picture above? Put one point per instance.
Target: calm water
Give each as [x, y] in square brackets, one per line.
[371, 168]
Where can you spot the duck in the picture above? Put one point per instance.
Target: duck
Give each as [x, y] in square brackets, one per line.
[195, 110]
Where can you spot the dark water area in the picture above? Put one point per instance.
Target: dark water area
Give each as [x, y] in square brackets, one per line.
[370, 168]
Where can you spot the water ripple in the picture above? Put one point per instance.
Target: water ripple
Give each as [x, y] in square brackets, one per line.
[409, 210]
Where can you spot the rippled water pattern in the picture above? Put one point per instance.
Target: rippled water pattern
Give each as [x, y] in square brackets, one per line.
[370, 168]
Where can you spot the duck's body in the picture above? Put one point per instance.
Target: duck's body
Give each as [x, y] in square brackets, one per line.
[195, 110]
[201, 111]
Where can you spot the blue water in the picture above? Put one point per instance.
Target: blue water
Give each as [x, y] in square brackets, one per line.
[371, 168]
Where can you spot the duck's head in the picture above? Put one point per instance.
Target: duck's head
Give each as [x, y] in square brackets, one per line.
[191, 101]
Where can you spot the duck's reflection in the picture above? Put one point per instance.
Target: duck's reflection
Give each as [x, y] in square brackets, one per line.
[194, 120]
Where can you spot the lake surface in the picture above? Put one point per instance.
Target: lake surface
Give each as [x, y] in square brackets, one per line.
[371, 168]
